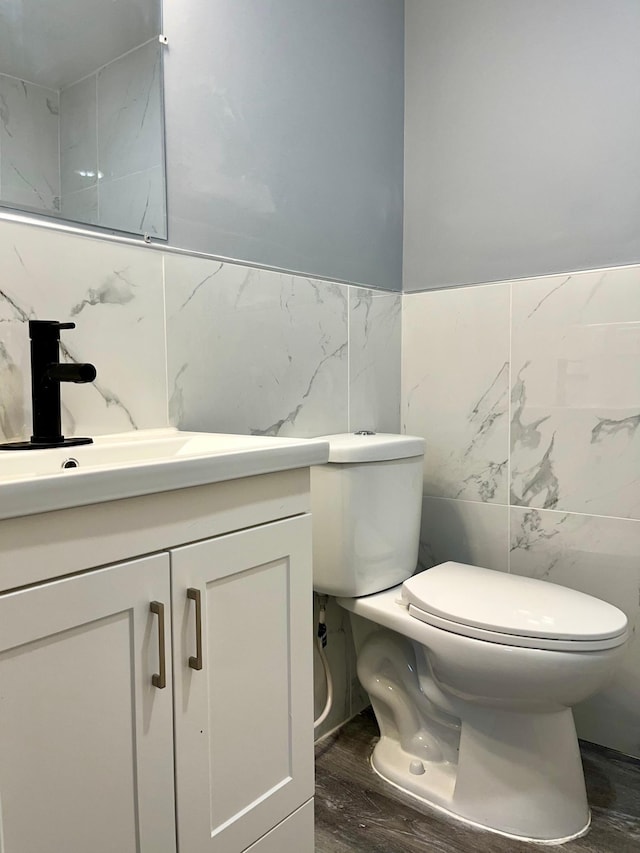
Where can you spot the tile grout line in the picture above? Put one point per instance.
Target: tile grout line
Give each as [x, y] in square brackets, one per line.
[525, 507]
[59, 93]
[349, 427]
[509, 414]
[401, 428]
[166, 338]
[95, 90]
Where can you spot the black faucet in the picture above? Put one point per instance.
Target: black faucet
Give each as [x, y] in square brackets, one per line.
[46, 375]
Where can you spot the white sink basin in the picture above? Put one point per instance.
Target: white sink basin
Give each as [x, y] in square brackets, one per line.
[140, 463]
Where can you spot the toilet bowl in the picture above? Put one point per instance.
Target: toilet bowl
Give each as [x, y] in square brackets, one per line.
[471, 672]
[504, 753]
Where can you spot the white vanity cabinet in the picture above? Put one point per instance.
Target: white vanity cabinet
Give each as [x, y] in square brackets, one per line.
[209, 587]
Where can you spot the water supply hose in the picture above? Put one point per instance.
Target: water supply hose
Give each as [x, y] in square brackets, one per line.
[321, 642]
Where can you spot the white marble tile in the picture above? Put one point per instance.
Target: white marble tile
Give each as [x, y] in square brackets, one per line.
[374, 360]
[598, 556]
[78, 137]
[135, 203]
[464, 531]
[14, 395]
[455, 388]
[252, 351]
[81, 206]
[114, 294]
[29, 130]
[576, 393]
[129, 113]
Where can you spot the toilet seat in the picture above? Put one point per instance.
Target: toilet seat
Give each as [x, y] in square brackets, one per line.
[516, 611]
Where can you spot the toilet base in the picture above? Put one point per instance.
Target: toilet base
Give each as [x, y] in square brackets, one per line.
[519, 775]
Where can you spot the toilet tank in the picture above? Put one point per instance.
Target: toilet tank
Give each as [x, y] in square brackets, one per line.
[366, 505]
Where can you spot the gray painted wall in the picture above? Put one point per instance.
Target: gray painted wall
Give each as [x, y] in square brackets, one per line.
[522, 142]
[284, 127]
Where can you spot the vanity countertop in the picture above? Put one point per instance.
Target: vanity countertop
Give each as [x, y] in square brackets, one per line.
[140, 463]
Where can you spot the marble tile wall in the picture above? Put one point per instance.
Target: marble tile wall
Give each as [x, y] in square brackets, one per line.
[114, 294]
[29, 149]
[111, 155]
[278, 354]
[528, 396]
[242, 349]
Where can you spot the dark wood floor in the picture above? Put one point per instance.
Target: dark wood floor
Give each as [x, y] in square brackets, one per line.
[356, 812]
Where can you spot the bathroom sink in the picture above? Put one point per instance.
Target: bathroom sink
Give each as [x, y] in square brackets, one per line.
[140, 463]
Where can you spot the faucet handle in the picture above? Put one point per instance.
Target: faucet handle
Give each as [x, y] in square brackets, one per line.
[47, 328]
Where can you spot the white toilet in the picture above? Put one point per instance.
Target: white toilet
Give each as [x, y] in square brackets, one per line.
[472, 673]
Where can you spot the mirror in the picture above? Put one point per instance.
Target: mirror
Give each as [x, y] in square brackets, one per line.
[81, 123]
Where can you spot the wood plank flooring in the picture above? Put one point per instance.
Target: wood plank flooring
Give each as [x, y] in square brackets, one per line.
[356, 812]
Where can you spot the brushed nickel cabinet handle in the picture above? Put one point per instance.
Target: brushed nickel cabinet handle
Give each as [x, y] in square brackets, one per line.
[194, 595]
[159, 679]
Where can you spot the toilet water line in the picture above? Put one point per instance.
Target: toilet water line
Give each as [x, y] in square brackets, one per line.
[321, 642]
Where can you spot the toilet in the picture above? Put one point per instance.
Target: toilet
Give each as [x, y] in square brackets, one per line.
[471, 672]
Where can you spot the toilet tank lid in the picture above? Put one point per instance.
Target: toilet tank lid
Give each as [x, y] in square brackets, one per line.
[511, 604]
[372, 447]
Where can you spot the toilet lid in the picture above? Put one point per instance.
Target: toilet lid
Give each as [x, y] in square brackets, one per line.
[464, 597]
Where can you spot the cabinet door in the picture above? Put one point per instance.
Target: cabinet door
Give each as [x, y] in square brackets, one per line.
[86, 758]
[244, 726]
